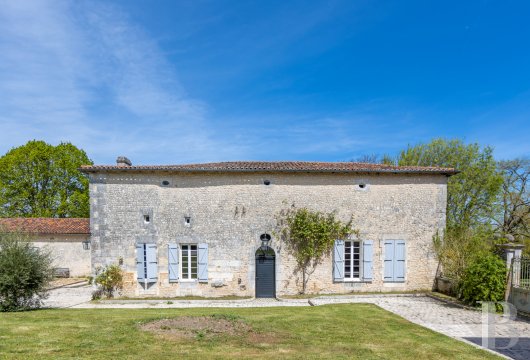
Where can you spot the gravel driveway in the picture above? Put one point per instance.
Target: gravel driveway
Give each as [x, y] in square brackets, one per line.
[444, 318]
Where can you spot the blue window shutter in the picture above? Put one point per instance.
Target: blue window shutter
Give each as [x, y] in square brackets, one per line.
[338, 260]
[399, 261]
[389, 261]
[368, 253]
[203, 262]
[140, 263]
[152, 265]
[173, 262]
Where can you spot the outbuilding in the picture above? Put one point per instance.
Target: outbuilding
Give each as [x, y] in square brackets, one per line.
[68, 240]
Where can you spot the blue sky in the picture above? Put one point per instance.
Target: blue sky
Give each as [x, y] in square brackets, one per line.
[196, 81]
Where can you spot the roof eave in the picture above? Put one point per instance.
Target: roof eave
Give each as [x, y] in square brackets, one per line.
[360, 171]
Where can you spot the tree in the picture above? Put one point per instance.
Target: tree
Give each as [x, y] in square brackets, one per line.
[42, 180]
[458, 249]
[372, 158]
[471, 193]
[513, 215]
[375, 158]
[310, 235]
[24, 272]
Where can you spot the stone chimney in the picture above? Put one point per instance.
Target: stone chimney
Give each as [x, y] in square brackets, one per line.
[123, 161]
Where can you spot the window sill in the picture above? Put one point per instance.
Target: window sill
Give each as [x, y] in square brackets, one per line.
[187, 281]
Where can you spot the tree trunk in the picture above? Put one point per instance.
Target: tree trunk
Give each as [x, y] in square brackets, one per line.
[303, 279]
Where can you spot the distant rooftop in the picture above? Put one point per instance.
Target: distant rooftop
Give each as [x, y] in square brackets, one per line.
[46, 225]
[124, 164]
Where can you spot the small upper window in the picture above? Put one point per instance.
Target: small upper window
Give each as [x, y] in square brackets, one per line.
[147, 219]
[362, 186]
[266, 182]
[165, 183]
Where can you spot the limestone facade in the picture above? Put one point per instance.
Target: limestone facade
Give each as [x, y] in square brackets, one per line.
[230, 210]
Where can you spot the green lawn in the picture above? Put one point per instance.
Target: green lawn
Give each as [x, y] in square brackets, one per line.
[333, 331]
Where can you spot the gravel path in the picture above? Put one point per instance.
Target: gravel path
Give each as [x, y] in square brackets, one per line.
[69, 296]
[444, 318]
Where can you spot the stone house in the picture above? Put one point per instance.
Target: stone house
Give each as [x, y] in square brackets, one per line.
[68, 240]
[204, 229]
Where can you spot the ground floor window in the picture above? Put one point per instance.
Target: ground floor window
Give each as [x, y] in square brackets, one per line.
[352, 260]
[189, 262]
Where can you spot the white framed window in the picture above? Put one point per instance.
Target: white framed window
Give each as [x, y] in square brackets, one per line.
[352, 260]
[188, 267]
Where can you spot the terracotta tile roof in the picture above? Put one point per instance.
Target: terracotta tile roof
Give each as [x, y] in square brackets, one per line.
[46, 225]
[274, 166]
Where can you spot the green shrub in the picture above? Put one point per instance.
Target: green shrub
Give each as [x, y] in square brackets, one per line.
[25, 273]
[483, 280]
[458, 248]
[110, 280]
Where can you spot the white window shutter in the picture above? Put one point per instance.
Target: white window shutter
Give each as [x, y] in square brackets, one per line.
[399, 261]
[140, 262]
[152, 264]
[368, 250]
[338, 260]
[173, 262]
[388, 274]
[203, 263]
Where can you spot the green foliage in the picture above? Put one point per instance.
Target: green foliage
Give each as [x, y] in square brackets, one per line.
[483, 280]
[460, 247]
[512, 214]
[310, 235]
[110, 280]
[25, 273]
[471, 193]
[42, 180]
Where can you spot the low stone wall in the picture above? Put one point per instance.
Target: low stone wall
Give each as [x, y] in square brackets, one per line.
[445, 285]
[520, 298]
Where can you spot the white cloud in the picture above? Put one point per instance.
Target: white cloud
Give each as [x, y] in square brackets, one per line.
[83, 72]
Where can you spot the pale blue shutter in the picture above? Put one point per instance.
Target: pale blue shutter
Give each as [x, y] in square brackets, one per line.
[173, 262]
[140, 261]
[389, 261]
[338, 260]
[399, 260]
[368, 250]
[151, 263]
[203, 263]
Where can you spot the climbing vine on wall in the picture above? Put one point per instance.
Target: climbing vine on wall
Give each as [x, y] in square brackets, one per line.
[310, 236]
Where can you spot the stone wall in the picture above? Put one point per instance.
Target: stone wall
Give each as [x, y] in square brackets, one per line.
[229, 211]
[67, 252]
